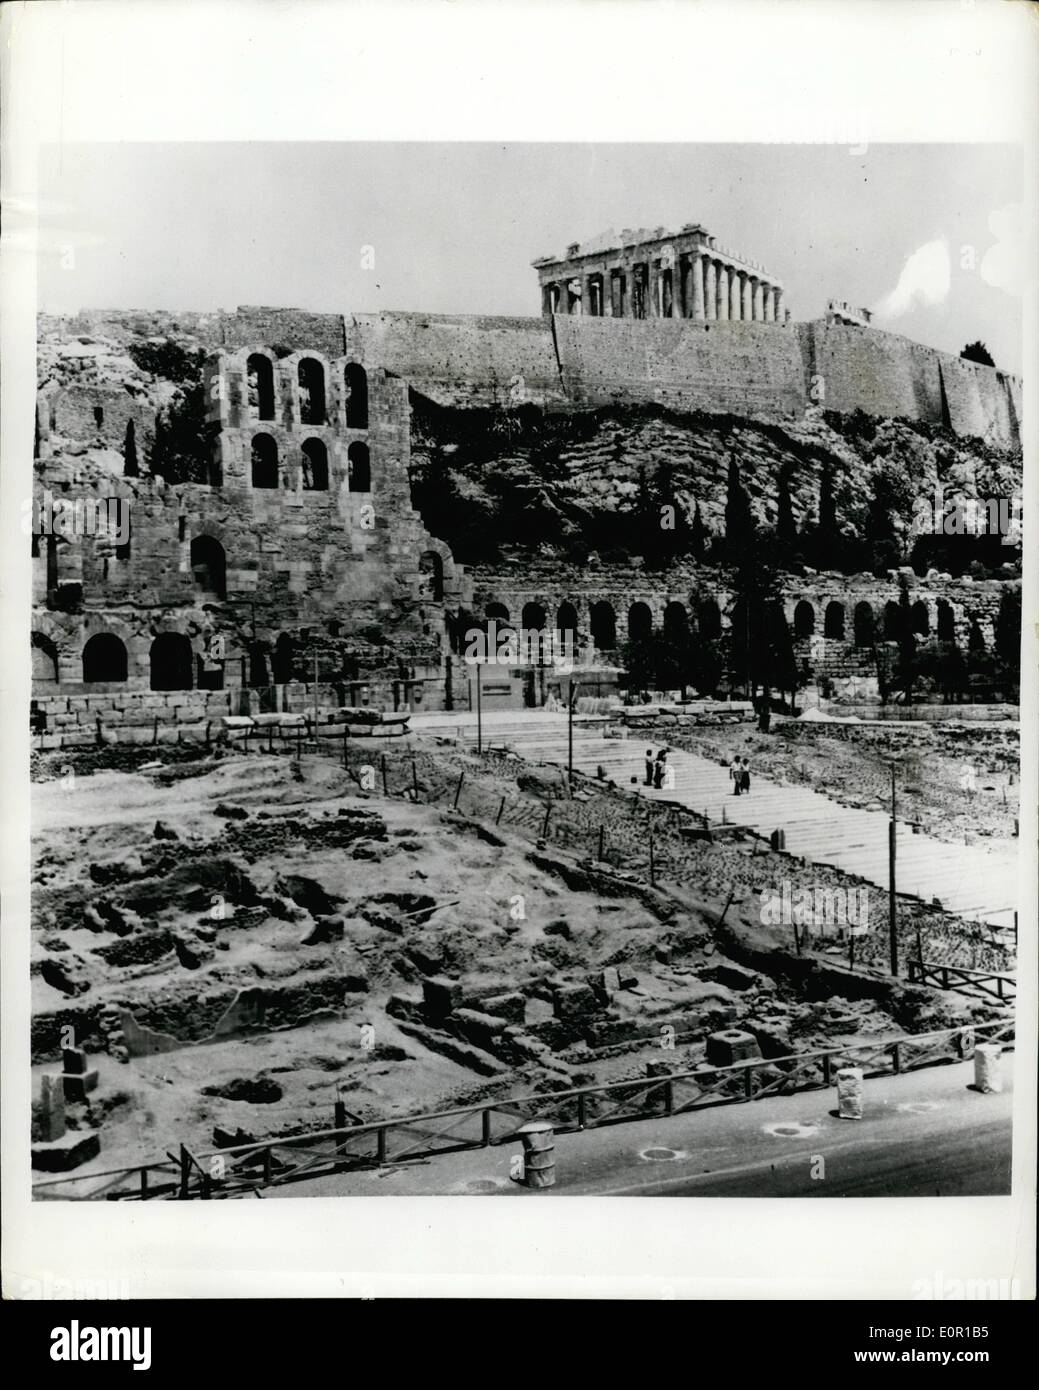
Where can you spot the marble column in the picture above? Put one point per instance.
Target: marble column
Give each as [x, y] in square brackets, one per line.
[770, 313]
[696, 264]
[723, 292]
[777, 300]
[711, 290]
[588, 306]
[735, 300]
[748, 296]
[759, 301]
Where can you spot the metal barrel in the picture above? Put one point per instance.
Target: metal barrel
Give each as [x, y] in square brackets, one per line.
[539, 1155]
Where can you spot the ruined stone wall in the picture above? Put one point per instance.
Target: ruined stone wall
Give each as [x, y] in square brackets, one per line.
[973, 603]
[335, 559]
[888, 375]
[728, 368]
[462, 360]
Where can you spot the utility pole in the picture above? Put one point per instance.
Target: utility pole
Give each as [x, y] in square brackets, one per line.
[892, 916]
[479, 713]
[570, 730]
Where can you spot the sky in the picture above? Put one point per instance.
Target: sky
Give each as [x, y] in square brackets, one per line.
[926, 235]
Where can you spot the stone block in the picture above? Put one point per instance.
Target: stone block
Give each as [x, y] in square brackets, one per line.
[440, 996]
[62, 1155]
[575, 1001]
[78, 1086]
[730, 1046]
[731, 975]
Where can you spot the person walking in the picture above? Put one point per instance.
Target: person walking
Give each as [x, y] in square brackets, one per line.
[736, 773]
[659, 769]
[745, 776]
[649, 767]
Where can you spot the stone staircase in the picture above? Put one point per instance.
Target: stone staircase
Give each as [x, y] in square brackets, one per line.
[976, 881]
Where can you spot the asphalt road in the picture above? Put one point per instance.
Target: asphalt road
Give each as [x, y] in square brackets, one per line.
[927, 1133]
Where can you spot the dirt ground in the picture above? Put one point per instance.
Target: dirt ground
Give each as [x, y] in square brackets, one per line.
[182, 888]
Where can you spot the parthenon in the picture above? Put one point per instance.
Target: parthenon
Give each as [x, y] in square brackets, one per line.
[642, 273]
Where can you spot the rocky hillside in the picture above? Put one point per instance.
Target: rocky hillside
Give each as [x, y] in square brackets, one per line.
[496, 483]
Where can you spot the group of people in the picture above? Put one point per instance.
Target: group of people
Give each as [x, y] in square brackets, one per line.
[739, 771]
[656, 768]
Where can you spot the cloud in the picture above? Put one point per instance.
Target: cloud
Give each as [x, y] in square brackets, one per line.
[924, 280]
[1003, 264]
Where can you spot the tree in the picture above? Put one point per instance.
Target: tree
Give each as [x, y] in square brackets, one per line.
[827, 539]
[130, 465]
[878, 532]
[672, 539]
[977, 352]
[181, 447]
[786, 527]
[698, 538]
[739, 520]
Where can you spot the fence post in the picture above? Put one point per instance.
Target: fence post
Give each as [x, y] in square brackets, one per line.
[414, 778]
[827, 1069]
[652, 862]
[155, 730]
[144, 1184]
[385, 786]
[896, 1057]
[380, 1145]
[458, 789]
[501, 810]
[185, 1173]
[299, 742]
[208, 725]
[544, 828]
[270, 738]
[485, 1128]
[669, 1097]
[267, 1166]
[582, 1110]
[748, 1083]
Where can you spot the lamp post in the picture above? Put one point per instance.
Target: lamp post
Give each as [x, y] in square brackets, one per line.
[892, 915]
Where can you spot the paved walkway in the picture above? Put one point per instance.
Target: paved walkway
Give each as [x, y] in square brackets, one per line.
[924, 1133]
[976, 881]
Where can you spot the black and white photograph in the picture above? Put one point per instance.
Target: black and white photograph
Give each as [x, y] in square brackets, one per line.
[526, 672]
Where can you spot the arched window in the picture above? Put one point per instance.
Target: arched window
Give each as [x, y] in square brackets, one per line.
[44, 661]
[804, 619]
[432, 567]
[833, 620]
[863, 625]
[892, 620]
[946, 621]
[356, 397]
[283, 659]
[359, 468]
[311, 377]
[104, 658]
[710, 619]
[604, 626]
[170, 662]
[259, 371]
[315, 466]
[566, 626]
[209, 566]
[676, 623]
[920, 620]
[264, 461]
[640, 622]
[533, 617]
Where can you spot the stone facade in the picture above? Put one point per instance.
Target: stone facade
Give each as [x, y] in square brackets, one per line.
[305, 530]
